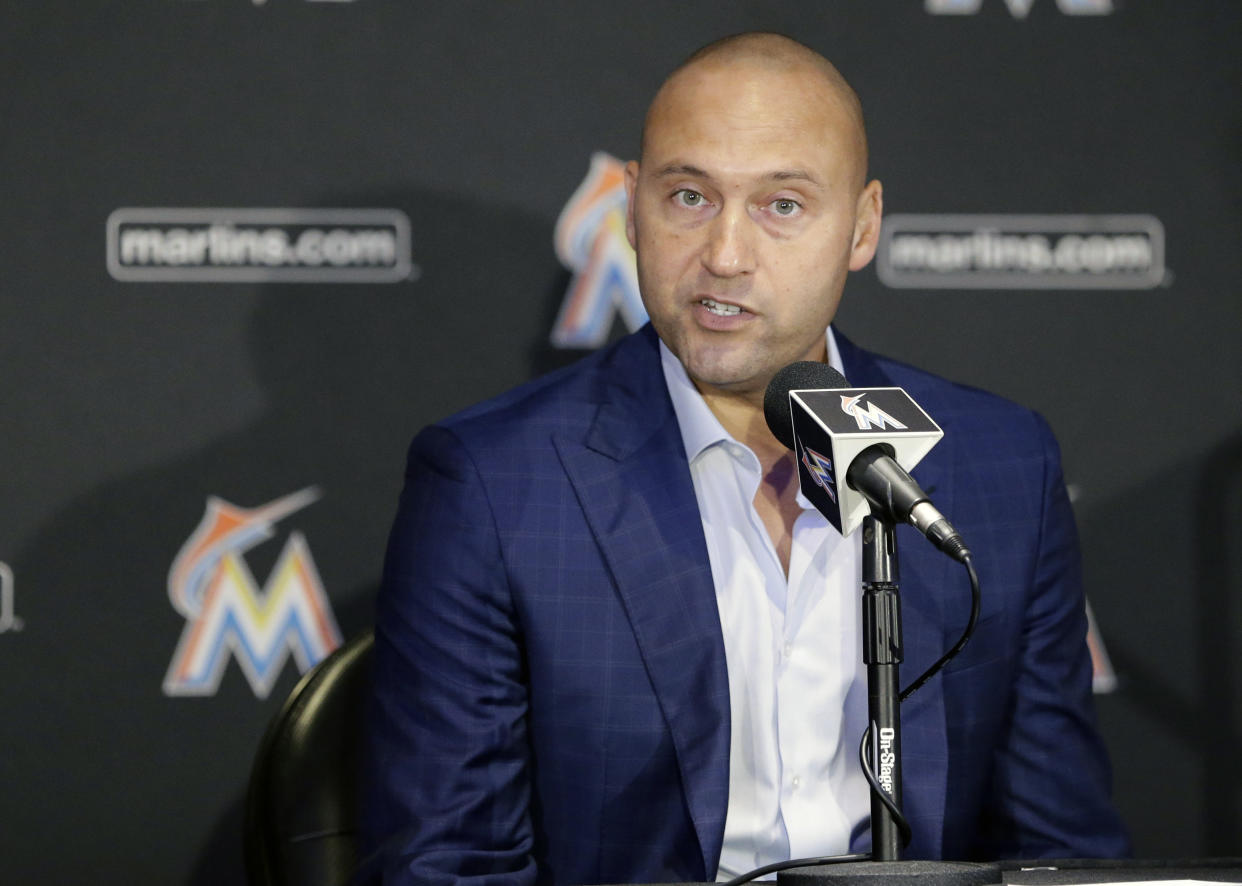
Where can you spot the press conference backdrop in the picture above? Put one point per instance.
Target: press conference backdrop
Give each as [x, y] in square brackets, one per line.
[249, 248]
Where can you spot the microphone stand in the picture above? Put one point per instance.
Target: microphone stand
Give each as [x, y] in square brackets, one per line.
[881, 616]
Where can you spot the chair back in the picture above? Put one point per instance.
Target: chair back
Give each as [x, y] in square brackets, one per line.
[301, 804]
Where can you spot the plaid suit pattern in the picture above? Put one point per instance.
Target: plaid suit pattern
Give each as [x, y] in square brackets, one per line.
[551, 699]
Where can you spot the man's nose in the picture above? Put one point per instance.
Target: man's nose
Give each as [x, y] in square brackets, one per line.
[729, 250]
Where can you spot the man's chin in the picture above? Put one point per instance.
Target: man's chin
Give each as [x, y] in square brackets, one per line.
[732, 379]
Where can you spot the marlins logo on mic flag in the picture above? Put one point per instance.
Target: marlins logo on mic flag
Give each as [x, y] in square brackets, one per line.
[226, 613]
[843, 422]
[820, 469]
[868, 415]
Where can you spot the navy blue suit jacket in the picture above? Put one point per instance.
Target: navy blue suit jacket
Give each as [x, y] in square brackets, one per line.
[551, 701]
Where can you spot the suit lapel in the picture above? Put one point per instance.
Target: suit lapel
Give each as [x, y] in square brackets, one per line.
[632, 480]
[926, 575]
[633, 483]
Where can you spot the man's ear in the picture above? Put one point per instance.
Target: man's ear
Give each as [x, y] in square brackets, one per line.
[631, 185]
[867, 214]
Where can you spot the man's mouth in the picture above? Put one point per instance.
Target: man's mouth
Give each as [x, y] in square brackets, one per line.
[720, 310]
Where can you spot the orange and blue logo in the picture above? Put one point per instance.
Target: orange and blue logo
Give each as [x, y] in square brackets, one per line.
[591, 242]
[820, 469]
[1103, 677]
[228, 616]
[868, 415]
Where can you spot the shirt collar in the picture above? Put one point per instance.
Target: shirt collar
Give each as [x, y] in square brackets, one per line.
[700, 428]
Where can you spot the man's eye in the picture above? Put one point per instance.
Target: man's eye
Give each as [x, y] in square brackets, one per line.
[785, 207]
[687, 197]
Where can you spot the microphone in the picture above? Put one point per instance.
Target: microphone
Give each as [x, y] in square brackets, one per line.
[880, 433]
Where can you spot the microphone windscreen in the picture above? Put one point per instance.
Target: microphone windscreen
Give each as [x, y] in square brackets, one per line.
[805, 375]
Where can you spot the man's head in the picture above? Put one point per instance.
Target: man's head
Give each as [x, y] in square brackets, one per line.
[749, 207]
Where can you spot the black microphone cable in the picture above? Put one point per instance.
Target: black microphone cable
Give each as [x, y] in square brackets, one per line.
[865, 746]
[811, 376]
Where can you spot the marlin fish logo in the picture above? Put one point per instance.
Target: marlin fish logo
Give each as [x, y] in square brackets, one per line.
[820, 470]
[868, 415]
[590, 241]
[226, 613]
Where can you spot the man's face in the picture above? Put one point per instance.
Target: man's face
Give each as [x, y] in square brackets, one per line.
[746, 213]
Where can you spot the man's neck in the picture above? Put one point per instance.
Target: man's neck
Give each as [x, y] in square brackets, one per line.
[775, 500]
[741, 414]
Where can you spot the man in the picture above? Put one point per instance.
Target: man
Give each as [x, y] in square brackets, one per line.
[615, 644]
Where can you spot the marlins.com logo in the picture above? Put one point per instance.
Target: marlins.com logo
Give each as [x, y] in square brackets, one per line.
[591, 242]
[259, 245]
[9, 621]
[226, 613]
[1019, 8]
[1009, 251]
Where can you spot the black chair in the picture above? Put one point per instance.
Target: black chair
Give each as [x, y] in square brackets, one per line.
[301, 805]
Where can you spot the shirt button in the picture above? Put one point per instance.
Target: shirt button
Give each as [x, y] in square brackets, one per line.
[787, 650]
[797, 780]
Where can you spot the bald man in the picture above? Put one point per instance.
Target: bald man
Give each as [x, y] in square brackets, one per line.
[615, 644]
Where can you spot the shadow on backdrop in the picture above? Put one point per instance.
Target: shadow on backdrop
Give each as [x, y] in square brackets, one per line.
[121, 783]
[1164, 567]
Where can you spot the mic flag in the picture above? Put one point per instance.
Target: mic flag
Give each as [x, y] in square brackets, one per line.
[829, 424]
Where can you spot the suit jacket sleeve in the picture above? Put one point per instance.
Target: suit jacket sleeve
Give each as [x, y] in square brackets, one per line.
[1051, 780]
[446, 774]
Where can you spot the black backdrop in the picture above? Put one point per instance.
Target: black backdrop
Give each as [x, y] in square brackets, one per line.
[128, 401]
